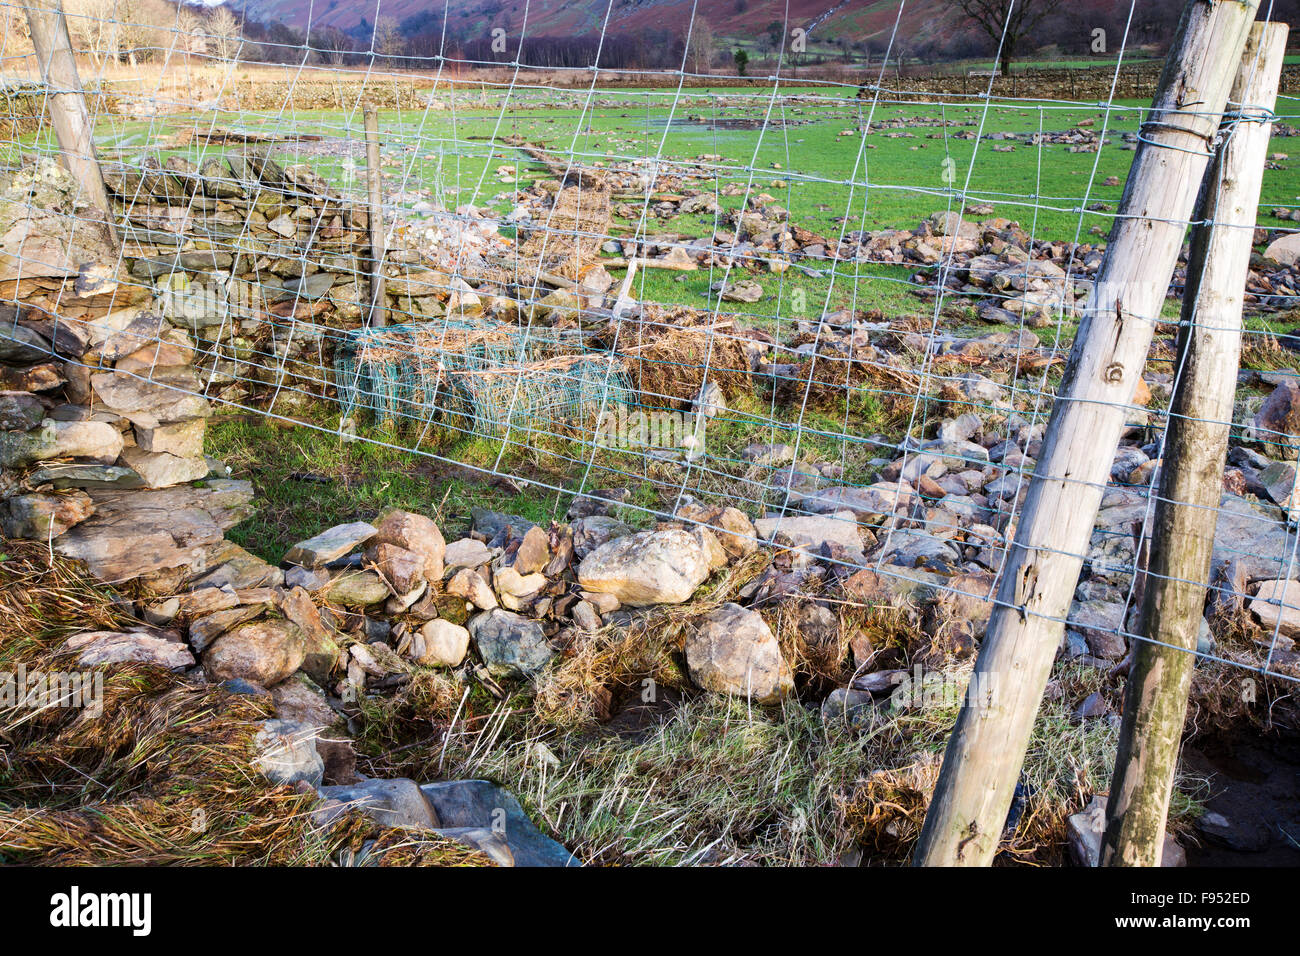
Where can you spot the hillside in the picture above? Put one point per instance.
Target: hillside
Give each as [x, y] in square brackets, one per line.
[824, 19]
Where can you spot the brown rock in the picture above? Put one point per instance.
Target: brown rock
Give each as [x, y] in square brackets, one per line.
[265, 653]
[41, 517]
[414, 532]
[401, 568]
[534, 551]
[320, 650]
[469, 584]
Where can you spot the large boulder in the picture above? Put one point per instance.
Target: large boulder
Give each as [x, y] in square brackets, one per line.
[650, 567]
[733, 651]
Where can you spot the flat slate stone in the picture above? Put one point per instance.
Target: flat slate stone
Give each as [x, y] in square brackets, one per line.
[330, 545]
[137, 532]
[466, 809]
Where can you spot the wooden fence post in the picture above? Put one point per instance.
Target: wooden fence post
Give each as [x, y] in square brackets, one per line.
[378, 315]
[67, 103]
[1191, 478]
[987, 747]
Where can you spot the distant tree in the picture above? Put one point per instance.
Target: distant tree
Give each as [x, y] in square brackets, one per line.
[741, 59]
[1007, 22]
[332, 44]
[699, 54]
[775, 29]
[223, 33]
[388, 39]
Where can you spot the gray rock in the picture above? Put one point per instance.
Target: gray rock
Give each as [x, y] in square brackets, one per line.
[768, 454]
[182, 439]
[133, 533]
[591, 532]
[287, 753]
[20, 411]
[110, 647]
[845, 703]
[356, 589]
[807, 534]
[98, 441]
[22, 346]
[510, 645]
[1098, 622]
[491, 524]
[309, 579]
[486, 817]
[329, 545]
[466, 553]
[391, 803]
[1279, 480]
[1276, 605]
[171, 395]
[1085, 831]
[162, 470]
[85, 476]
[873, 501]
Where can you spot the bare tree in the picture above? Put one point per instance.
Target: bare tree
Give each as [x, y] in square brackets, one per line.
[223, 33]
[699, 54]
[93, 24]
[388, 39]
[1008, 22]
[189, 31]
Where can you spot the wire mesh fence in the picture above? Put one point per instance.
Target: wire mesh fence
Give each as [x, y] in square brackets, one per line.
[841, 308]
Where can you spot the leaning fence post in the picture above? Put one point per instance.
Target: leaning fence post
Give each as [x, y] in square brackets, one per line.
[1191, 478]
[67, 103]
[377, 315]
[987, 747]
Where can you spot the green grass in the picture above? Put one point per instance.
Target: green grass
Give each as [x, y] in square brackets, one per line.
[307, 480]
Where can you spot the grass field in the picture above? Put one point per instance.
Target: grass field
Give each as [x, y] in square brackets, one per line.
[792, 147]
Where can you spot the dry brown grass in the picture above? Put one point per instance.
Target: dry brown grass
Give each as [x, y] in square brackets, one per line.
[161, 775]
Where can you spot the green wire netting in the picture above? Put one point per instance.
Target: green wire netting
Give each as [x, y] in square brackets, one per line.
[481, 379]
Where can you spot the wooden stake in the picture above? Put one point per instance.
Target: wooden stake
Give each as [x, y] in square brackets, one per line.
[67, 103]
[1191, 478]
[378, 317]
[987, 747]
